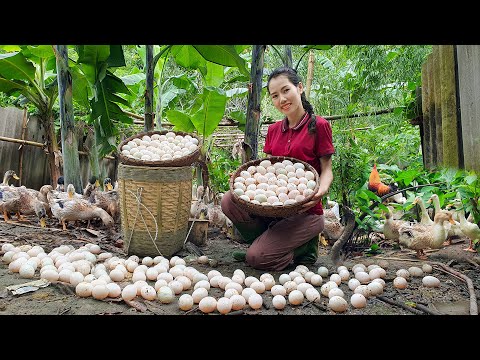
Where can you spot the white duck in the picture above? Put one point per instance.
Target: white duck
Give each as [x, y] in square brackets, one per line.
[454, 230]
[471, 230]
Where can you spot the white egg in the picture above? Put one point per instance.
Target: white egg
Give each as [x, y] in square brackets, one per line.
[338, 304]
[278, 290]
[255, 301]
[295, 297]
[400, 282]
[207, 304]
[322, 271]
[165, 295]
[375, 288]
[114, 290]
[329, 285]
[353, 284]
[358, 301]
[336, 278]
[312, 294]
[427, 268]
[415, 271]
[224, 305]
[148, 292]
[199, 294]
[316, 280]
[430, 281]
[238, 302]
[279, 302]
[185, 302]
[83, 289]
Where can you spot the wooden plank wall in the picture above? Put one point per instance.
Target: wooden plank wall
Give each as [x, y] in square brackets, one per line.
[441, 139]
[35, 171]
[468, 58]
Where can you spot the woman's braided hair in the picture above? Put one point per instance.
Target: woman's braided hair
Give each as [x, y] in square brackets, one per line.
[295, 79]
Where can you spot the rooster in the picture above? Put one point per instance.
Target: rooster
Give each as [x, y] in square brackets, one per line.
[377, 186]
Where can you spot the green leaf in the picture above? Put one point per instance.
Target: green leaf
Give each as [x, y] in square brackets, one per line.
[42, 51]
[237, 91]
[116, 58]
[188, 57]
[241, 117]
[225, 55]
[470, 179]
[11, 48]
[81, 90]
[318, 47]
[214, 75]
[114, 84]
[210, 114]
[14, 66]
[407, 176]
[7, 86]
[133, 79]
[181, 120]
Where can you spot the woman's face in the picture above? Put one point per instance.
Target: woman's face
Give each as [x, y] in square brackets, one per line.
[286, 96]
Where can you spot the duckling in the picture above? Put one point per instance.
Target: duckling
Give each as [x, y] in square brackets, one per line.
[419, 237]
[471, 230]
[425, 218]
[454, 231]
[77, 209]
[8, 175]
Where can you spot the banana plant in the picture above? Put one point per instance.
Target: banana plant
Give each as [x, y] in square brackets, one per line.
[29, 72]
[100, 90]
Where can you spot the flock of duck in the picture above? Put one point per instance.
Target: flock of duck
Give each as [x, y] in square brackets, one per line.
[57, 203]
[431, 233]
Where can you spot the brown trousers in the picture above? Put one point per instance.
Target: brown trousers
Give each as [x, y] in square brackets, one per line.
[273, 240]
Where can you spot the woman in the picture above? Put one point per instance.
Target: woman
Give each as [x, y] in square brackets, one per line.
[276, 243]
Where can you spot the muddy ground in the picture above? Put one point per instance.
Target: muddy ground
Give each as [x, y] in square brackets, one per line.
[451, 298]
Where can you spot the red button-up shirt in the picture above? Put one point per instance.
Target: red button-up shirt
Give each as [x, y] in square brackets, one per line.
[298, 143]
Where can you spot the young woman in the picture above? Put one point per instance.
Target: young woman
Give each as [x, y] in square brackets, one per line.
[276, 243]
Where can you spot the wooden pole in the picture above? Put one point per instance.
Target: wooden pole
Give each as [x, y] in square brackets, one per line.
[438, 103]
[149, 118]
[426, 144]
[253, 103]
[20, 165]
[311, 64]
[431, 105]
[449, 107]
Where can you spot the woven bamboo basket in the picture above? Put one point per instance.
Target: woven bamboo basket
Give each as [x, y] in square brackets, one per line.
[183, 161]
[270, 210]
[154, 208]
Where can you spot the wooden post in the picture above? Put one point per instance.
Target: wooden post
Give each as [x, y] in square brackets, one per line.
[438, 104]
[426, 144]
[431, 106]
[20, 162]
[149, 118]
[449, 107]
[311, 65]
[71, 161]
[288, 55]
[252, 125]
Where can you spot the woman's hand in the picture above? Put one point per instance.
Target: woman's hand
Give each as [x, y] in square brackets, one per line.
[314, 201]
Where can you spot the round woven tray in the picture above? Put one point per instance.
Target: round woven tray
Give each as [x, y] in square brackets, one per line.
[270, 210]
[183, 161]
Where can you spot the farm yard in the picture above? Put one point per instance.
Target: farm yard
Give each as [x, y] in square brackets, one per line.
[105, 211]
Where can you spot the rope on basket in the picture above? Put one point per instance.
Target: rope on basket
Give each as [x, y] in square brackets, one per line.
[138, 198]
[189, 230]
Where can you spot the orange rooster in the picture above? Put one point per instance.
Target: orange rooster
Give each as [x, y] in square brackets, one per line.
[375, 184]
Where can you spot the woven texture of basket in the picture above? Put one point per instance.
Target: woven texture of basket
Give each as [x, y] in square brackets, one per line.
[183, 161]
[154, 208]
[270, 210]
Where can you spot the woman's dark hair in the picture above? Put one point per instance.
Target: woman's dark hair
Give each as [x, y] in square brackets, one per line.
[294, 78]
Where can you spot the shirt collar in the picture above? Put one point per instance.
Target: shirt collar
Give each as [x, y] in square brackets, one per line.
[296, 127]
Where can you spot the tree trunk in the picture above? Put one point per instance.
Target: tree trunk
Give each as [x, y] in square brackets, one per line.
[149, 119]
[288, 55]
[252, 125]
[311, 65]
[54, 157]
[71, 161]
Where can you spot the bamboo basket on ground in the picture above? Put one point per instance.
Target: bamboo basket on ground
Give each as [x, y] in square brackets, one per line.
[155, 208]
[272, 210]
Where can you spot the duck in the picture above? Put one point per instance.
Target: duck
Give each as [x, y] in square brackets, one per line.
[454, 231]
[93, 183]
[22, 201]
[391, 226]
[108, 200]
[424, 217]
[60, 184]
[8, 175]
[419, 237]
[470, 230]
[74, 209]
[332, 230]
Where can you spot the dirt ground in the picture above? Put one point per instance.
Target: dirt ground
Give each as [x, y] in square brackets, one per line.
[451, 298]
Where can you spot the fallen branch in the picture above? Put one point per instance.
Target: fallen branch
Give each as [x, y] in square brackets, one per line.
[465, 278]
[403, 306]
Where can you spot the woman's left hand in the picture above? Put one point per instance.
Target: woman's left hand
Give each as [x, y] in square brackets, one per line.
[314, 201]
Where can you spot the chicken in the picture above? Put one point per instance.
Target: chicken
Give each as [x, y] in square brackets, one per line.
[377, 186]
